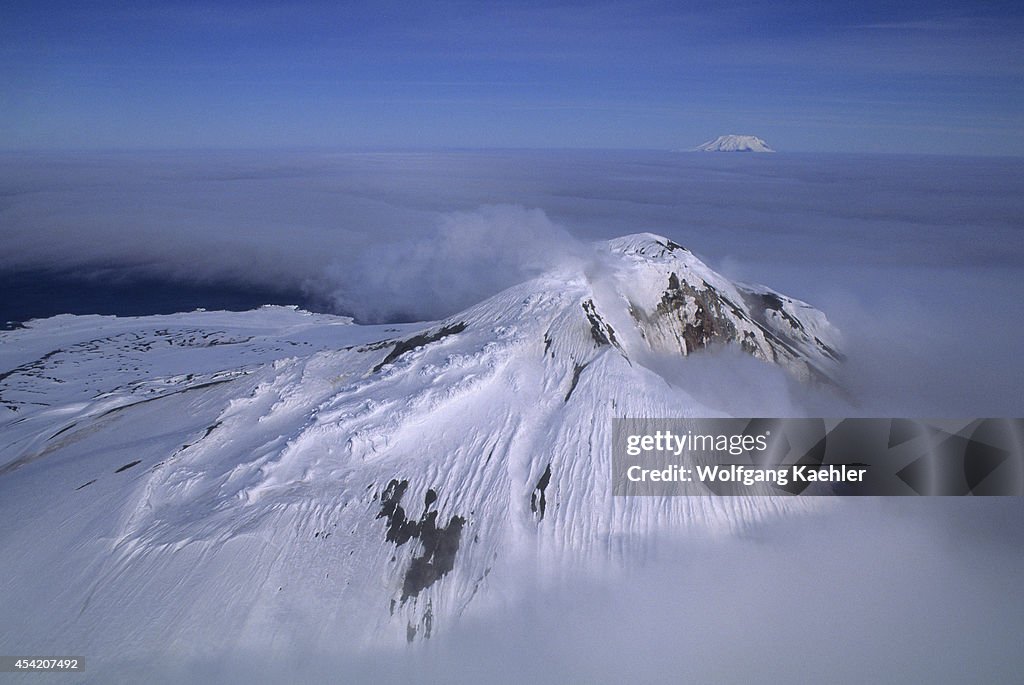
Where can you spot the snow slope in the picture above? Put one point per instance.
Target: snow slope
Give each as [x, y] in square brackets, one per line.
[212, 481]
[735, 143]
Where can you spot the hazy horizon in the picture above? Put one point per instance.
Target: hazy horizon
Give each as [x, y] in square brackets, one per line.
[914, 77]
[412, 149]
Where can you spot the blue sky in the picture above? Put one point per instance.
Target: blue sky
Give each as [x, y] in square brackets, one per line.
[806, 76]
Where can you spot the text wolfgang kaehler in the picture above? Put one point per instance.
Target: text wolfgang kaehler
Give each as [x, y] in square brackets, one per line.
[847, 457]
[675, 444]
[747, 475]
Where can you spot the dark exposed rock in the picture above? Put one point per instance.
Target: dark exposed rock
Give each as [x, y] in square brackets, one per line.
[538, 500]
[438, 557]
[440, 544]
[602, 333]
[576, 372]
[760, 303]
[409, 344]
[709, 323]
[428, 621]
[831, 352]
[65, 429]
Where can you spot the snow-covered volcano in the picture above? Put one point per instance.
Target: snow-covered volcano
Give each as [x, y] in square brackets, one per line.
[735, 143]
[212, 480]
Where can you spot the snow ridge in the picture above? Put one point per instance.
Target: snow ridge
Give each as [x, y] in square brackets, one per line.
[274, 468]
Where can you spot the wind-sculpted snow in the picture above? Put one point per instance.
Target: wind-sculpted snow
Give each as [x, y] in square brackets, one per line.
[211, 480]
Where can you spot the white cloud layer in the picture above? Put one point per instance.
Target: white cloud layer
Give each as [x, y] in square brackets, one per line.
[919, 260]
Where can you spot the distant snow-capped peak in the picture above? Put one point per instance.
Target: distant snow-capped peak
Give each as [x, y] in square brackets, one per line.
[735, 143]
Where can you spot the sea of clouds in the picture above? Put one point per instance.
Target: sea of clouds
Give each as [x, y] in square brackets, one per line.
[919, 260]
[872, 590]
